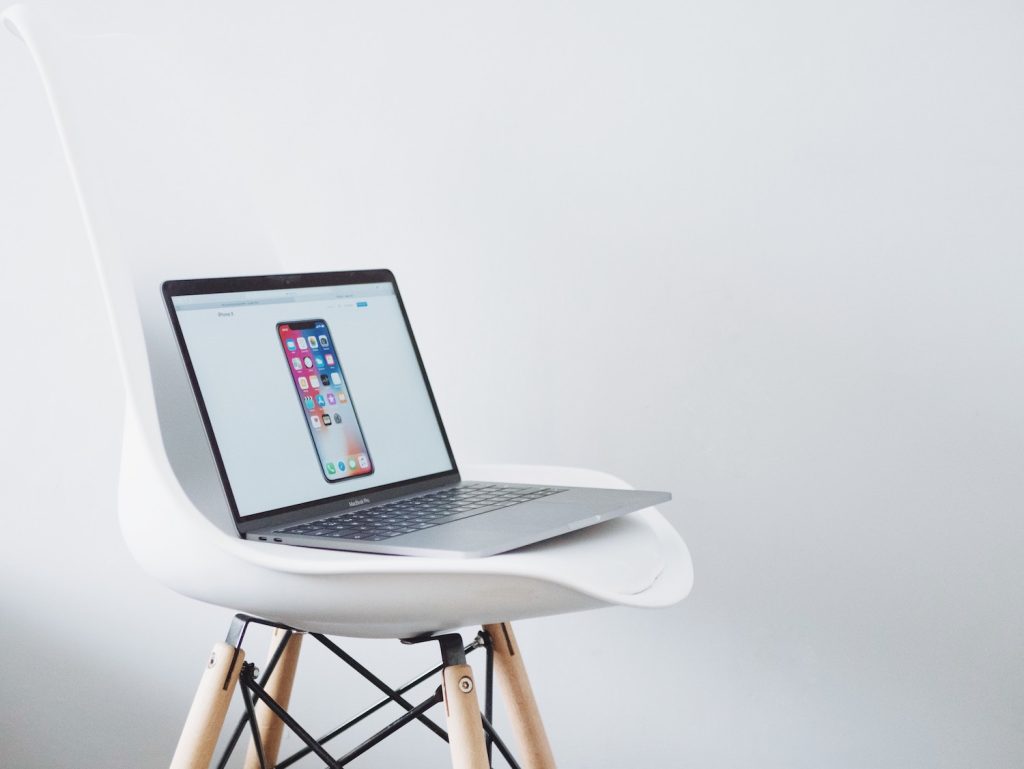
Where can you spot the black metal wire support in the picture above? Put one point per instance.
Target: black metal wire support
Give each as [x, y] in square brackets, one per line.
[369, 676]
[500, 744]
[252, 690]
[394, 726]
[302, 753]
[254, 726]
[240, 726]
[248, 682]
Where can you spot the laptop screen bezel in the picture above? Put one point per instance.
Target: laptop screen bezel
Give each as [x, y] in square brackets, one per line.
[196, 286]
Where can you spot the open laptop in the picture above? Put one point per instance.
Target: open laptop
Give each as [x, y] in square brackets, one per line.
[325, 430]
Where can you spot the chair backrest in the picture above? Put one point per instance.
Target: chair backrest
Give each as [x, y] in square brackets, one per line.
[163, 196]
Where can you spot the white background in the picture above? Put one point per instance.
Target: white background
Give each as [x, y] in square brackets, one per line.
[767, 256]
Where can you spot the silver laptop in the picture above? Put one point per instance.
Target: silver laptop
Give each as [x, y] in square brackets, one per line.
[325, 430]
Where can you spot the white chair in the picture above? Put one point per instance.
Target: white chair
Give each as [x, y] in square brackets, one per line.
[161, 199]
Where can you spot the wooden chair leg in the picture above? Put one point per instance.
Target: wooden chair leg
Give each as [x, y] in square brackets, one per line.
[534, 748]
[279, 687]
[206, 716]
[465, 729]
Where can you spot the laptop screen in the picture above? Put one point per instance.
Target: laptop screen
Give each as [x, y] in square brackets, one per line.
[310, 392]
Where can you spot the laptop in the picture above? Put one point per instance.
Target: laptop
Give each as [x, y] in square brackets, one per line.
[325, 431]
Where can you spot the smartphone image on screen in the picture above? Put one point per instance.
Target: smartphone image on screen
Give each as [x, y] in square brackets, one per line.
[325, 400]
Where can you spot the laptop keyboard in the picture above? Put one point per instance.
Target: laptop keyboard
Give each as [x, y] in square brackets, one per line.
[392, 519]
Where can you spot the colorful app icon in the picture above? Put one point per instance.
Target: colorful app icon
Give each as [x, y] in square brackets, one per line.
[320, 401]
[336, 378]
[309, 404]
[290, 344]
[303, 383]
[315, 420]
[312, 343]
[319, 360]
[352, 462]
[324, 380]
[330, 359]
[323, 341]
[307, 360]
[337, 418]
[342, 398]
[341, 466]
[330, 468]
[296, 364]
[314, 382]
[331, 399]
[327, 420]
[363, 461]
[302, 343]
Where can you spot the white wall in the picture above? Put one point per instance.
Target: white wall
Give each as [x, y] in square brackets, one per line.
[783, 240]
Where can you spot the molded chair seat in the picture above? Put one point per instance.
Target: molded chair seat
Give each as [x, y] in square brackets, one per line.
[637, 560]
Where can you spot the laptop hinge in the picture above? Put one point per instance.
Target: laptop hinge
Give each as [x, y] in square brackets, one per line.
[368, 498]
